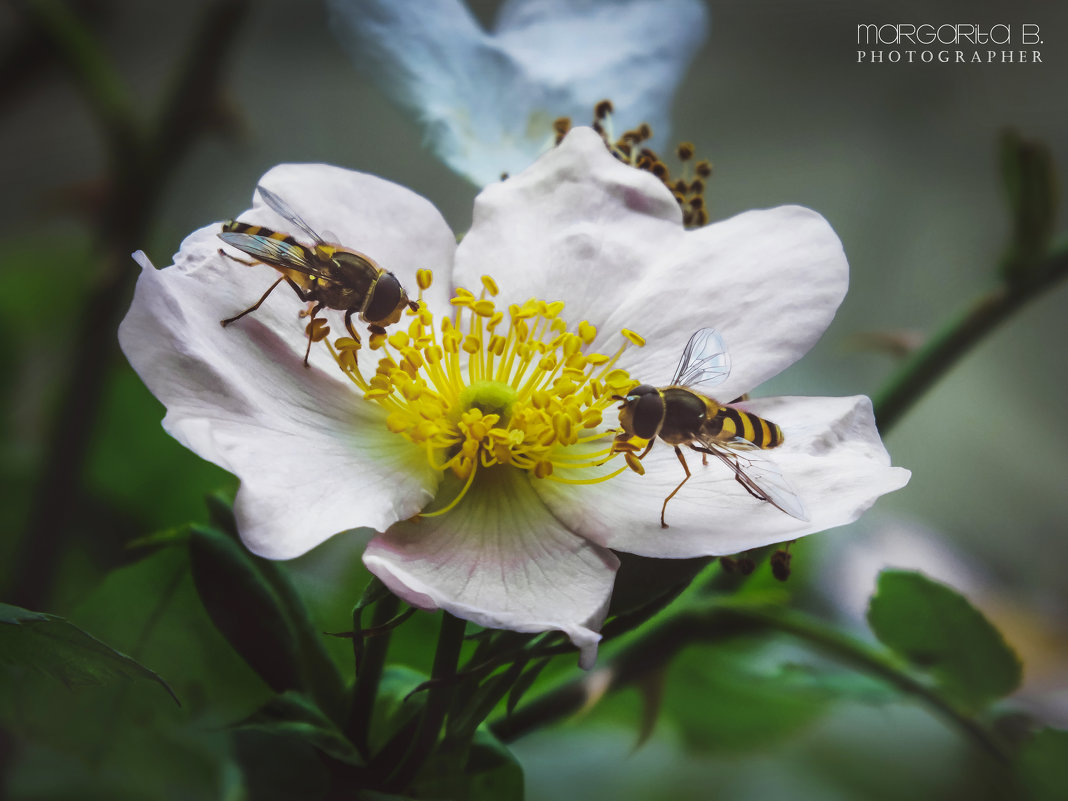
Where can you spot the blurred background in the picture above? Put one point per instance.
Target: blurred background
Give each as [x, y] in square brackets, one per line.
[901, 159]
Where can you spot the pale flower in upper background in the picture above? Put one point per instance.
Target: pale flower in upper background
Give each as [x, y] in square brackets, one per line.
[487, 100]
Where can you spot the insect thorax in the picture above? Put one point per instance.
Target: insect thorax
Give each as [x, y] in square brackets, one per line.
[685, 414]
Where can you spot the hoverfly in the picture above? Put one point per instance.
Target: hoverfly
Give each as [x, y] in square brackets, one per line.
[329, 276]
[680, 416]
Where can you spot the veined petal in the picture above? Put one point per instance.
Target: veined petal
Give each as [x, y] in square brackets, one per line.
[500, 560]
[488, 100]
[832, 456]
[314, 458]
[607, 240]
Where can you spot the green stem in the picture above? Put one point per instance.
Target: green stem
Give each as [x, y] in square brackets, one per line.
[850, 650]
[370, 660]
[86, 62]
[933, 360]
[439, 697]
[656, 648]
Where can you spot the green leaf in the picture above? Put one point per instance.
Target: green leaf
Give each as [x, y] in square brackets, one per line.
[56, 647]
[525, 682]
[741, 695]
[279, 767]
[258, 609]
[244, 608]
[396, 706]
[293, 714]
[1042, 766]
[939, 631]
[467, 716]
[490, 773]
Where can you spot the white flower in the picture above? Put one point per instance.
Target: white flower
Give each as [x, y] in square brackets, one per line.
[520, 546]
[488, 100]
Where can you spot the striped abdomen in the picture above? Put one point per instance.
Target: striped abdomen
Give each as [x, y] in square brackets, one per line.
[236, 227]
[729, 423]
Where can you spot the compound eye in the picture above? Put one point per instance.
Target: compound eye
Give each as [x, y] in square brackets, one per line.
[385, 299]
[648, 413]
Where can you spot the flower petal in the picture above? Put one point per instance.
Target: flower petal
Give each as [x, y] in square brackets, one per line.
[240, 397]
[488, 101]
[607, 239]
[499, 559]
[832, 457]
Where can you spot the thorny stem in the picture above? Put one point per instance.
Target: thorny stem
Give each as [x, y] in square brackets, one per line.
[141, 164]
[935, 359]
[658, 646]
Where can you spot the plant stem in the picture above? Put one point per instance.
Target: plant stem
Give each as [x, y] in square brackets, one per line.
[657, 647]
[370, 659]
[849, 649]
[439, 696]
[935, 359]
[140, 166]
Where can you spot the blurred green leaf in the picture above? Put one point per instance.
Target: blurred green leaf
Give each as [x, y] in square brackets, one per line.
[293, 714]
[1031, 188]
[124, 741]
[396, 706]
[56, 647]
[939, 631]
[244, 608]
[490, 773]
[468, 713]
[741, 695]
[1042, 766]
[525, 682]
[278, 766]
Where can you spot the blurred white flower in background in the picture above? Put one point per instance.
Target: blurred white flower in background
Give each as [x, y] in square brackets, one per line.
[487, 100]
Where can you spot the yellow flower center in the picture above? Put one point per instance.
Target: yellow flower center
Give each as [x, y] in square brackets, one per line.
[485, 387]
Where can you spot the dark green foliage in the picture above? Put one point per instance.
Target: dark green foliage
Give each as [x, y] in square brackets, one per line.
[938, 631]
[57, 648]
[1042, 766]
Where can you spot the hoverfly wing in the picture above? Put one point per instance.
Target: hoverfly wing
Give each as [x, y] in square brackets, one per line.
[704, 361]
[279, 206]
[274, 252]
[758, 474]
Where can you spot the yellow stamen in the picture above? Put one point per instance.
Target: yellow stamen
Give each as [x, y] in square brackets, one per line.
[490, 388]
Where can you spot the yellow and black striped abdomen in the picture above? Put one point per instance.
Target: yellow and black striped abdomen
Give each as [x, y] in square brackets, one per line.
[729, 423]
[235, 227]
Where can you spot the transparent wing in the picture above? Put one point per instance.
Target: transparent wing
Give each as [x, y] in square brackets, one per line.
[279, 206]
[274, 252]
[704, 360]
[757, 473]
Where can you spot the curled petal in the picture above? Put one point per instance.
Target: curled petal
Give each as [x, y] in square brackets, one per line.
[832, 457]
[488, 100]
[500, 560]
[607, 239]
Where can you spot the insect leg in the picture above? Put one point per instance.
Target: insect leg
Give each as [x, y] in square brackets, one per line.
[255, 305]
[239, 261]
[349, 326]
[311, 331]
[663, 509]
